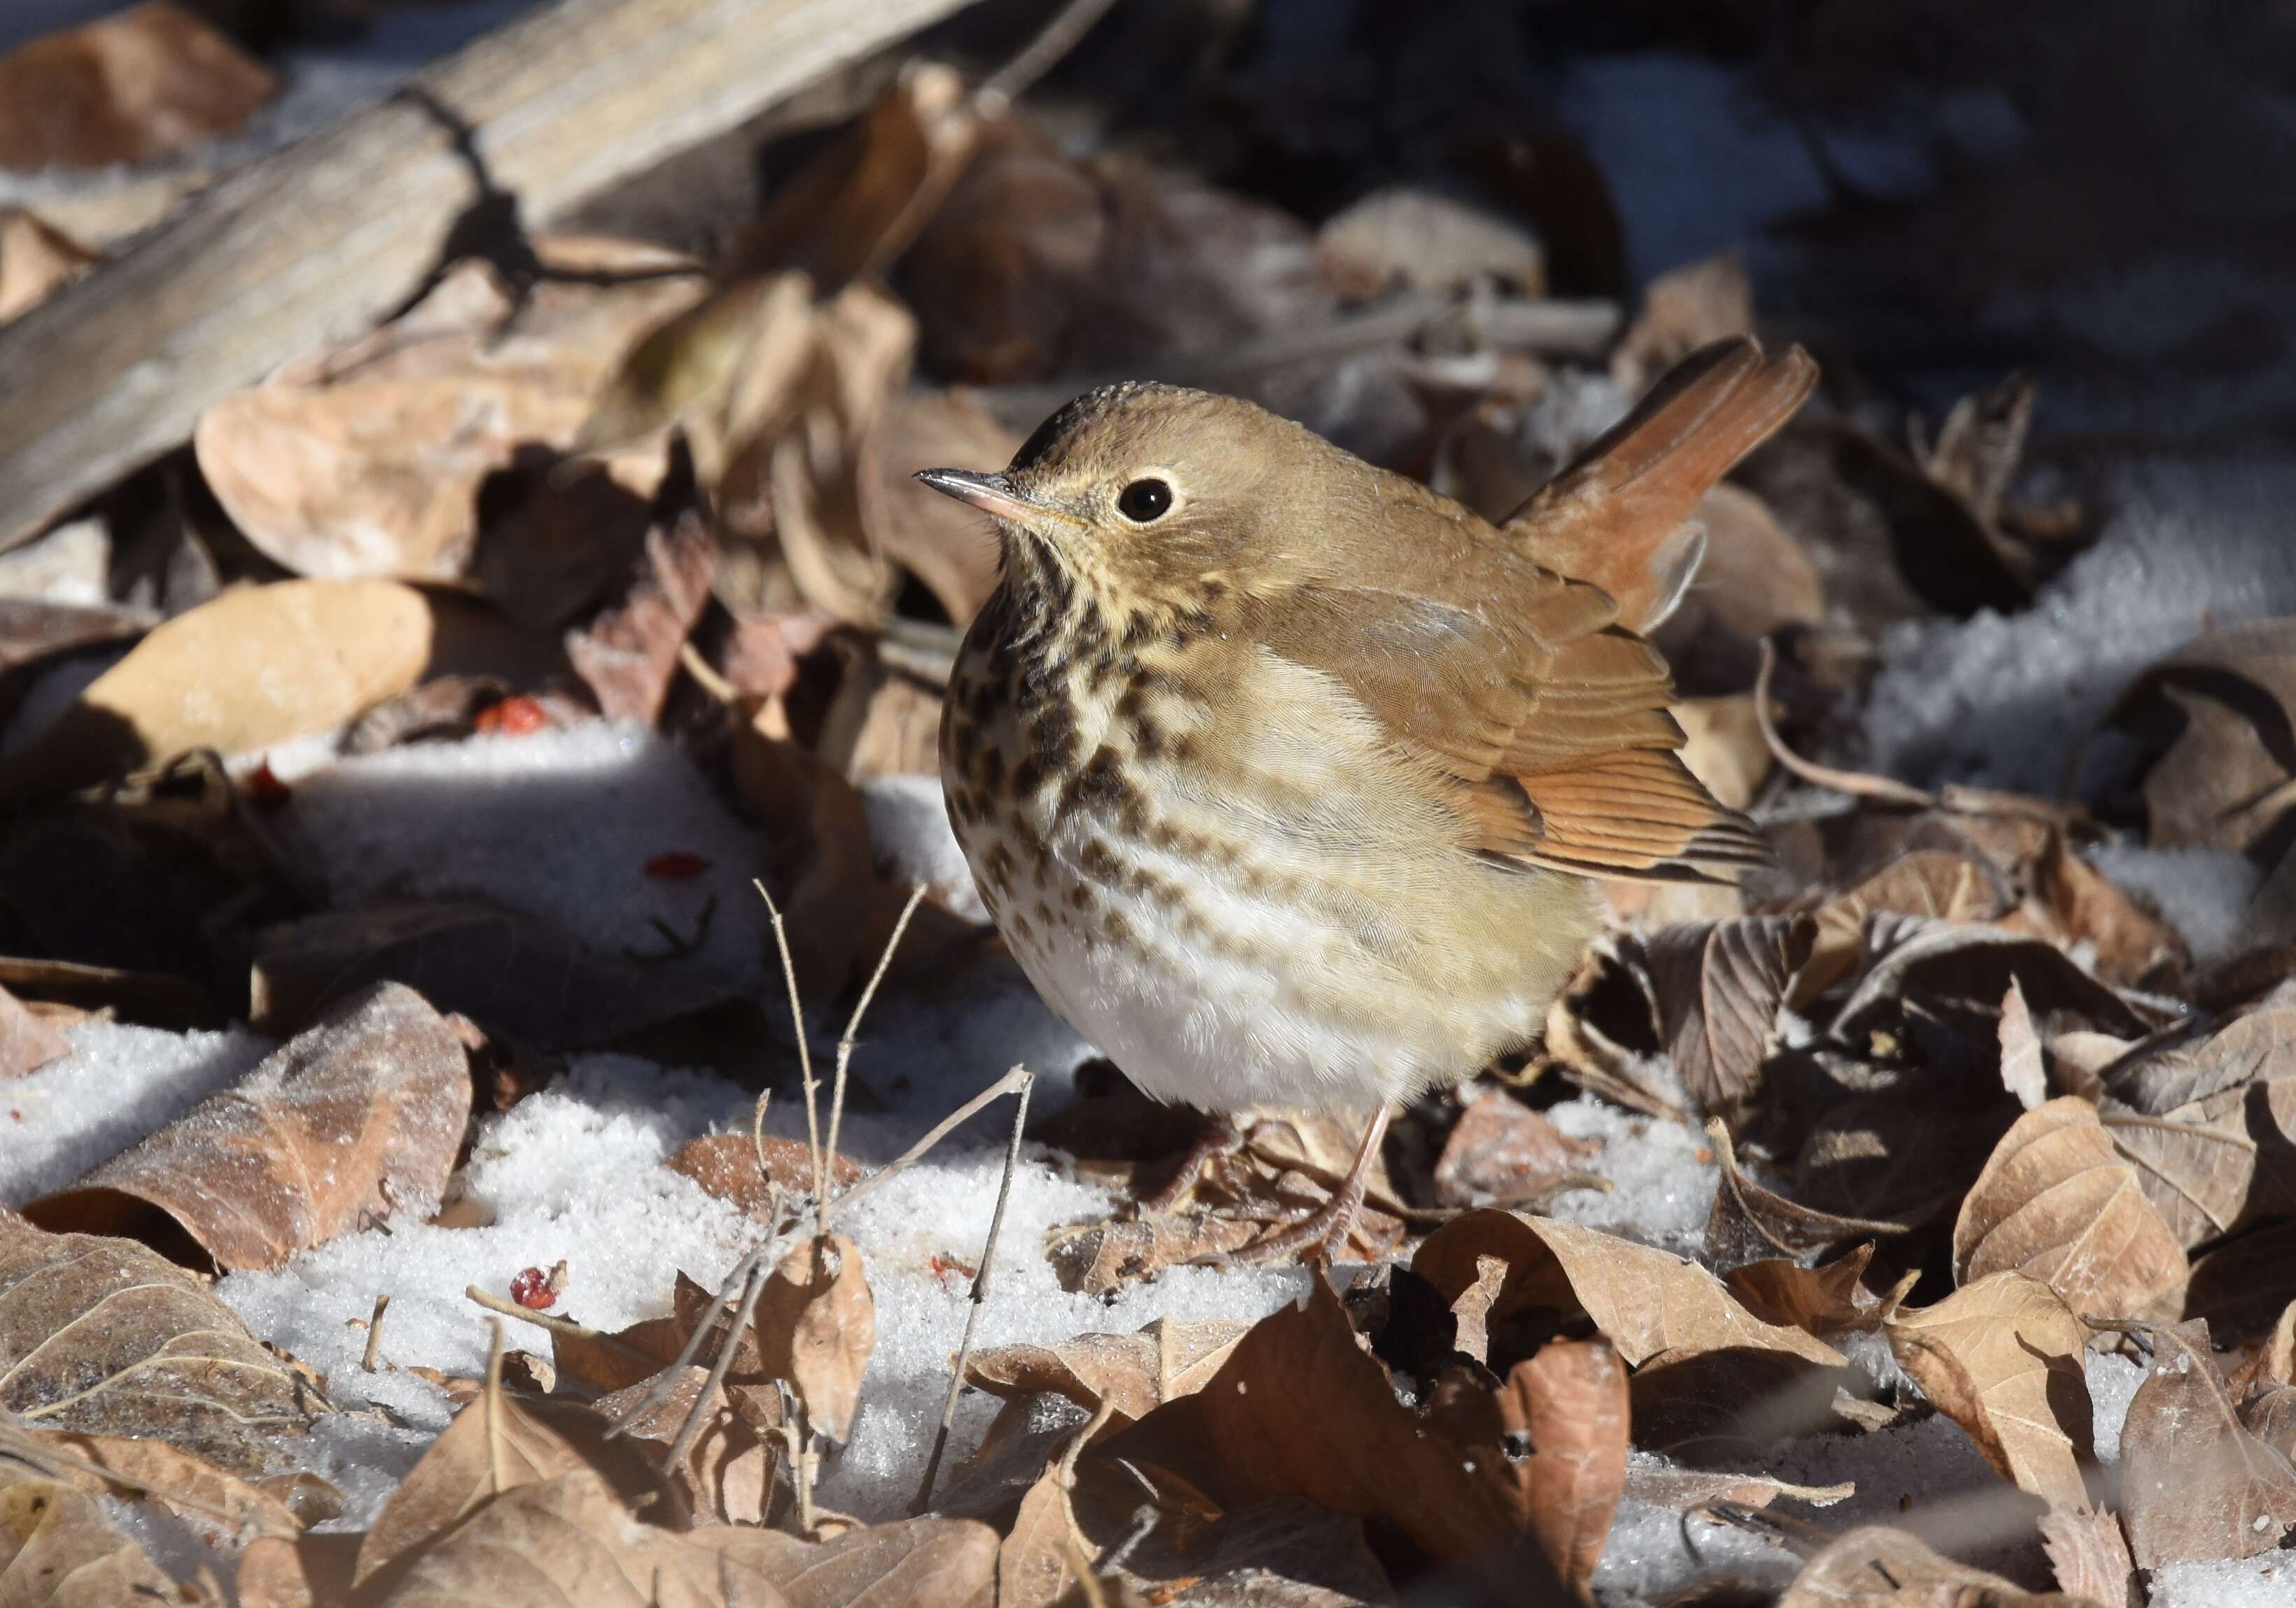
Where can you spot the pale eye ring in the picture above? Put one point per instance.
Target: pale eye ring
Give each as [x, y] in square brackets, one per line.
[1144, 500]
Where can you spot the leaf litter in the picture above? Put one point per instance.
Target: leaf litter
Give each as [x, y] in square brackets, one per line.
[1884, 1165]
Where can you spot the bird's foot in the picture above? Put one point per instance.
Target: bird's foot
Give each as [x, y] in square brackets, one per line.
[1217, 1138]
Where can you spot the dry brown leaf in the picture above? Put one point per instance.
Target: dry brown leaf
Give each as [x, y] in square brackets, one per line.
[166, 1359]
[161, 1471]
[1685, 1489]
[2209, 1122]
[28, 1041]
[2194, 1484]
[1133, 1374]
[1642, 1300]
[1939, 884]
[1823, 1300]
[2090, 1558]
[153, 79]
[1749, 1223]
[919, 1560]
[1103, 1258]
[627, 655]
[353, 1120]
[1719, 989]
[1032, 1563]
[368, 460]
[1723, 746]
[816, 1327]
[1683, 309]
[942, 542]
[1888, 1567]
[727, 1475]
[35, 261]
[725, 1166]
[2002, 1359]
[1569, 1398]
[1300, 1409]
[57, 1550]
[256, 666]
[1502, 1150]
[2056, 1200]
[2074, 902]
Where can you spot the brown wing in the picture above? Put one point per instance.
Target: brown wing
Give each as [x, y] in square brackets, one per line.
[1545, 722]
[1616, 516]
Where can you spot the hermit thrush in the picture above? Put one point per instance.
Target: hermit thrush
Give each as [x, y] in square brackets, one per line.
[1284, 778]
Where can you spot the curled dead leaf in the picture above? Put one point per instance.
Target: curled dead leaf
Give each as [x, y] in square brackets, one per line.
[1133, 1374]
[357, 1119]
[2195, 1484]
[2002, 1359]
[1719, 989]
[1568, 1401]
[1751, 1222]
[1642, 1300]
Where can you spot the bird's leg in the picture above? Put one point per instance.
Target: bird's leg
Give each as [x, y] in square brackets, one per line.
[1320, 1236]
[1216, 1136]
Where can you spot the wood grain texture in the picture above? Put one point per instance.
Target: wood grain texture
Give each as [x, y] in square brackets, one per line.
[314, 243]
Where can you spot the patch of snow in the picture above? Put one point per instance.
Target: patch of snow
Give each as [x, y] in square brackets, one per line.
[2113, 1382]
[2006, 702]
[119, 1084]
[1662, 1175]
[2268, 1580]
[2203, 893]
[909, 822]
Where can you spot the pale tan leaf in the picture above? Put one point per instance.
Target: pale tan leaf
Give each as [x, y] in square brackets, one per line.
[355, 1119]
[1881, 1566]
[817, 1326]
[254, 666]
[1471, 1309]
[2132, 946]
[1135, 1372]
[1501, 1150]
[1684, 1489]
[2090, 1557]
[107, 1337]
[2002, 1359]
[57, 1550]
[725, 1166]
[176, 1480]
[1723, 743]
[728, 1475]
[1642, 1300]
[35, 261]
[367, 461]
[2056, 1200]
[2209, 1122]
[1939, 884]
[1569, 1398]
[1823, 1300]
[2021, 1071]
[1032, 1563]
[1103, 1258]
[2194, 1484]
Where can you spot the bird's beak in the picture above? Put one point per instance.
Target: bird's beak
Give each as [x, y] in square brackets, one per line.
[992, 494]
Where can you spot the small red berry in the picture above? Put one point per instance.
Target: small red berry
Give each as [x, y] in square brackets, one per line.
[531, 1290]
[675, 866]
[518, 715]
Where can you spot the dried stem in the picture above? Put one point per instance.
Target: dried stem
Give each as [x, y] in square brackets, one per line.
[1856, 784]
[804, 1051]
[1018, 1077]
[980, 1284]
[691, 1429]
[494, 1408]
[845, 1044]
[705, 674]
[373, 1335]
[758, 1147]
[556, 1325]
[1058, 36]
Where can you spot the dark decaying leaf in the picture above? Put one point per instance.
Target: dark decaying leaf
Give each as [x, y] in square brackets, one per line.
[1939, 884]
[627, 655]
[1959, 974]
[353, 1120]
[2070, 901]
[1750, 1223]
[2241, 1285]
[2219, 714]
[1720, 988]
[31, 630]
[106, 1337]
[2194, 1484]
[2056, 1200]
[520, 978]
[1726, 1408]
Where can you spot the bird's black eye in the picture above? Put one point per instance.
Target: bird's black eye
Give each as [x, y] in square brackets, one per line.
[1144, 500]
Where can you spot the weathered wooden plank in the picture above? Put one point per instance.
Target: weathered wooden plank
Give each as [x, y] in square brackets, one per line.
[314, 243]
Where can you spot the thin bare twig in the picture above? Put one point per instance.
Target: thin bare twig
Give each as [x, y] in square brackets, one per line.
[373, 1335]
[1018, 1077]
[757, 1149]
[804, 1055]
[494, 1408]
[845, 1044]
[980, 1284]
[1054, 40]
[556, 1325]
[1856, 784]
[688, 1430]
[666, 1381]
